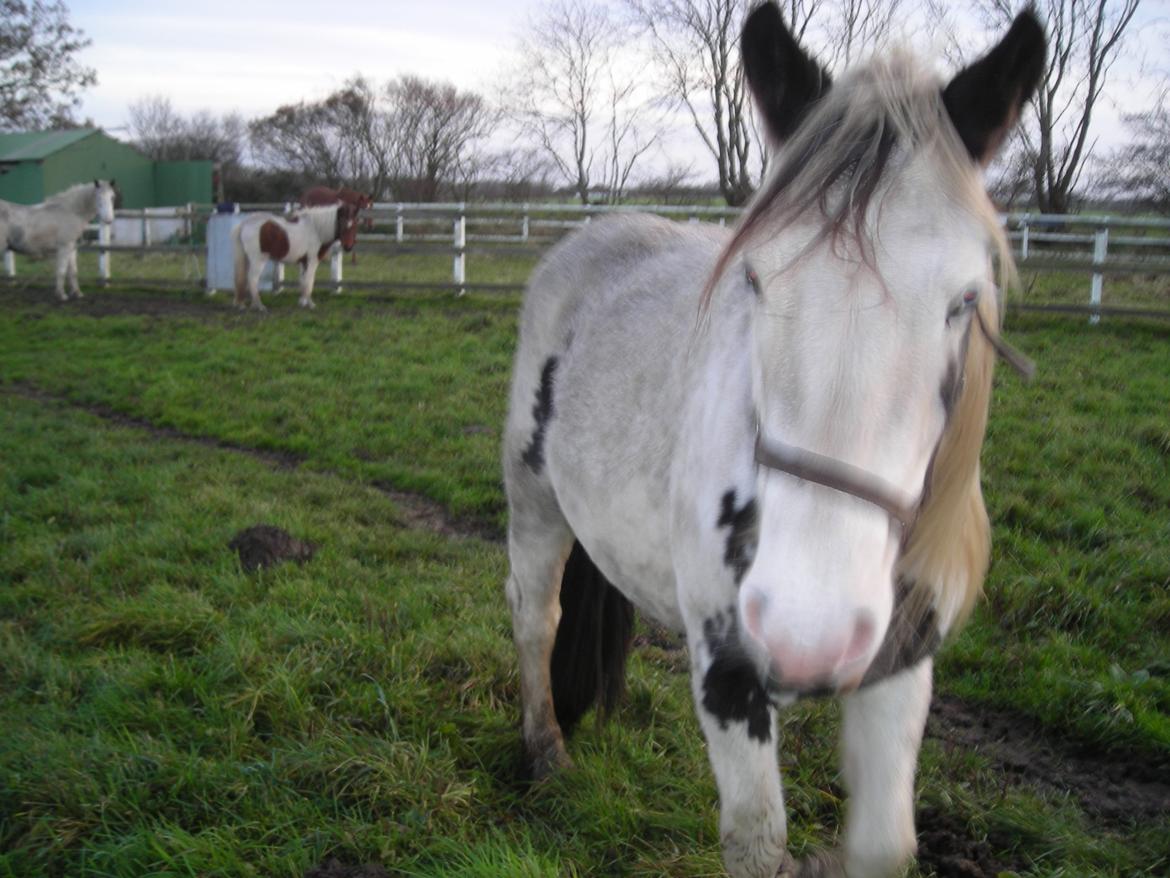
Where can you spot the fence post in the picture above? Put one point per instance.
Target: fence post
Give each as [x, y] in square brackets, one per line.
[524, 224]
[335, 261]
[460, 265]
[398, 223]
[1023, 240]
[1100, 248]
[103, 254]
[9, 264]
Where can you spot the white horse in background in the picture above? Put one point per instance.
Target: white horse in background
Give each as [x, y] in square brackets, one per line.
[55, 226]
[304, 237]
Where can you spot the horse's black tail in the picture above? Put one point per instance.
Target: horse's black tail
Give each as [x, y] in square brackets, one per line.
[593, 641]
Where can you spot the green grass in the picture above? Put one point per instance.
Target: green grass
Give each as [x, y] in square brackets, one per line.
[164, 713]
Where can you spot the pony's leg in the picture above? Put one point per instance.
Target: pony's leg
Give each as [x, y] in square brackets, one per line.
[881, 733]
[741, 744]
[308, 274]
[62, 272]
[539, 541]
[74, 285]
[254, 271]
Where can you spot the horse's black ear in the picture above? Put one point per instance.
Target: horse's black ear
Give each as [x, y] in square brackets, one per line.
[985, 99]
[784, 79]
[97, 182]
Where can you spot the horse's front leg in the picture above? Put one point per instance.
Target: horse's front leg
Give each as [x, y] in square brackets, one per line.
[740, 726]
[308, 274]
[74, 284]
[880, 737]
[62, 273]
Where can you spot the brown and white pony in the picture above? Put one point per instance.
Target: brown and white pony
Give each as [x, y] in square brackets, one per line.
[304, 237]
[55, 226]
[320, 196]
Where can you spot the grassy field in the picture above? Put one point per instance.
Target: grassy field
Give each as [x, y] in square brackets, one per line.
[163, 712]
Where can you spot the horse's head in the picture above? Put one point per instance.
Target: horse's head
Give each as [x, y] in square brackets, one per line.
[103, 199]
[871, 247]
[347, 228]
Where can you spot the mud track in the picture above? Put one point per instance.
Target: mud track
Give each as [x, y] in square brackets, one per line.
[417, 510]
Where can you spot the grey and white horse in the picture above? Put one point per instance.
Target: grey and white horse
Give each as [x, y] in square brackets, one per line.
[55, 225]
[784, 465]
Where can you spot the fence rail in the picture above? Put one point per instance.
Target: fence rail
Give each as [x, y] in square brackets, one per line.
[1098, 245]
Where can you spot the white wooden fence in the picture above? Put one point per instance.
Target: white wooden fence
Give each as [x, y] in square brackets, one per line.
[1092, 244]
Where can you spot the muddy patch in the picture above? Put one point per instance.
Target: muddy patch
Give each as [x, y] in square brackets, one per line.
[1110, 788]
[263, 545]
[420, 513]
[946, 848]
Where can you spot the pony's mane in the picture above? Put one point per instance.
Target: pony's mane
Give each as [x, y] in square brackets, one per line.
[835, 170]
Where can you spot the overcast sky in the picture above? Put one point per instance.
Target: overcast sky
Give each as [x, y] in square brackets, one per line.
[253, 55]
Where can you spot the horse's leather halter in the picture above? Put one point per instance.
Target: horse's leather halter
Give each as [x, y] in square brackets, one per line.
[855, 481]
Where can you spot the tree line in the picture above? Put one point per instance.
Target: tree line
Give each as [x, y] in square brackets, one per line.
[590, 97]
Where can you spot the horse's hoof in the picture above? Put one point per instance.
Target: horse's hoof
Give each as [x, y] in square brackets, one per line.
[77, 294]
[546, 763]
[308, 305]
[821, 864]
[788, 867]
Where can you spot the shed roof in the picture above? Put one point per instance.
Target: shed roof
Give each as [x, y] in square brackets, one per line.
[35, 145]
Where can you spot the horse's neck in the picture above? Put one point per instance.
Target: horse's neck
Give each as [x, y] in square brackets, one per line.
[79, 200]
[324, 224]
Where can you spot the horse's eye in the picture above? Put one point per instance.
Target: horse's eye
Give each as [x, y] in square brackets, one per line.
[753, 279]
[964, 303]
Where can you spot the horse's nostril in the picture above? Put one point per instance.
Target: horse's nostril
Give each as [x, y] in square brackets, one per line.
[864, 628]
[754, 604]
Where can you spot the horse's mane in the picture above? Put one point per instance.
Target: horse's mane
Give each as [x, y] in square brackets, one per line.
[73, 196]
[836, 167]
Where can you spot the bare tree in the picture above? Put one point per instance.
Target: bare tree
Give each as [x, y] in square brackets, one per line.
[345, 138]
[696, 50]
[40, 76]
[162, 133]
[437, 131]
[569, 97]
[695, 44]
[1141, 170]
[1085, 38]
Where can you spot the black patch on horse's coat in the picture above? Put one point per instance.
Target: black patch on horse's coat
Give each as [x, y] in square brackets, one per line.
[543, 411]
[593, 640]
[740, 548]
[912, 636]
[732, 691]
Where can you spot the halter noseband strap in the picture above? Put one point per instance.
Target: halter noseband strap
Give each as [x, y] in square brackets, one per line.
[853, 480]
[838, 475]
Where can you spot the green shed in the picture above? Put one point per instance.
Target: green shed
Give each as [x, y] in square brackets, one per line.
[36, 164]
